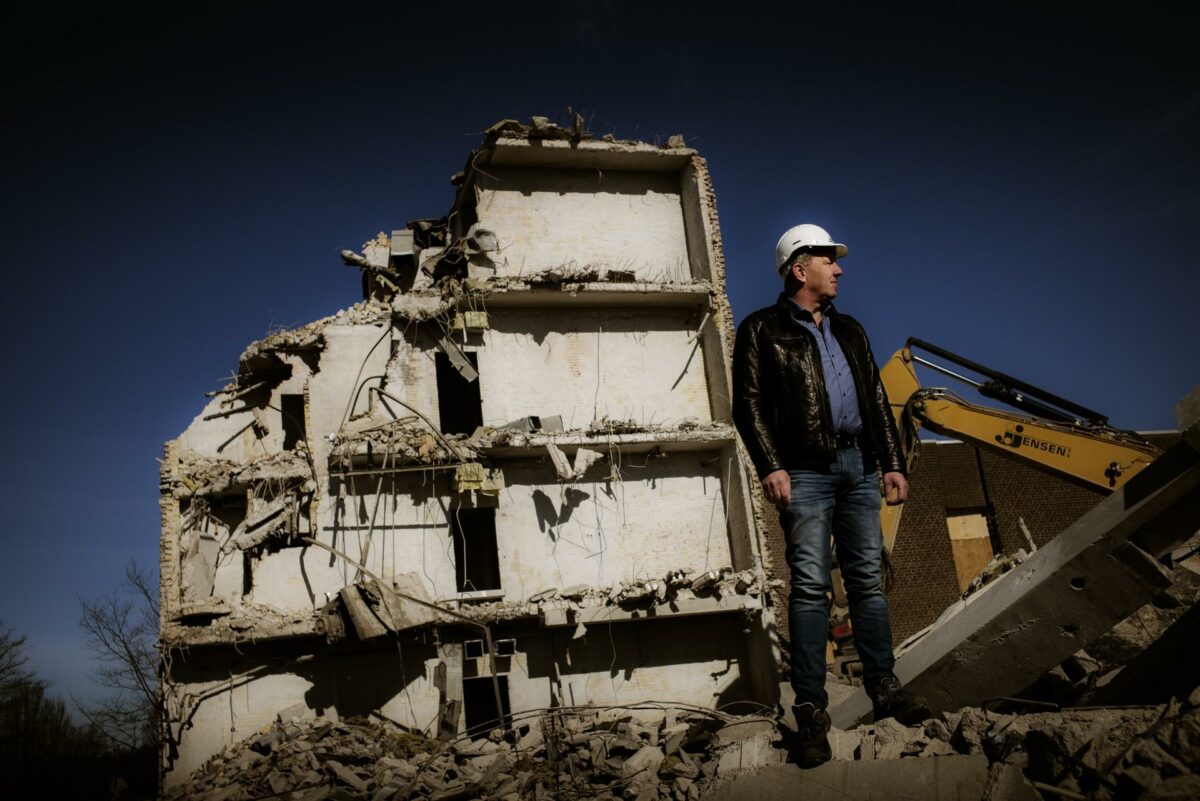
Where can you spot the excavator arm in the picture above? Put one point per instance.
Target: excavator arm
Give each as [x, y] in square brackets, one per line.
[1056, 435]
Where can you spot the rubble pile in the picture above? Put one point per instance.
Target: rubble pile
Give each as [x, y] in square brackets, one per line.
[199, 475]
[582, 754]
[1102, 753]
[566, 275]
[1095, 753]
[405, 441]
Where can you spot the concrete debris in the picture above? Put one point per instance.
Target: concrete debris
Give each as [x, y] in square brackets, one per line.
[473, 476]
[222, 621]
[404, 441]
[374, 608]
[408, 441]
[269, 519]
[309, 337]
[541, 129]
[533, 423]
[200, 475]
[584, 458]
[458, 359]
[367, 625]
[566, 755]
[418, 307]
[353, 259]
[406, 602]
[572, 278]
[469, 320]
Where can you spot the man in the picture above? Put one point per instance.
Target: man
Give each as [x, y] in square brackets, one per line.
[815, 419]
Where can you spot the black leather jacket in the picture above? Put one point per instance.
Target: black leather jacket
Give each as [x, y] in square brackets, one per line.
[780, 404]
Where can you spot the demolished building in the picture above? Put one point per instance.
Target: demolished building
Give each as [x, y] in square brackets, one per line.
[504, 481]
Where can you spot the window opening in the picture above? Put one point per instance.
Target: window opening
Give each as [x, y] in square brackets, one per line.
[476, 558]
[479, 704]
[291, 408]
[459, 404]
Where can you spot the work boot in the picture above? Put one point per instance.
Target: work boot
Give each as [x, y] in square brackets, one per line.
[811, 745]
[890, 701]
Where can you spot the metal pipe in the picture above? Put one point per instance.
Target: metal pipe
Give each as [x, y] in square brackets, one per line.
[946, 371]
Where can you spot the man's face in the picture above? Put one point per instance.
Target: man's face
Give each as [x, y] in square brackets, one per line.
[820, 276]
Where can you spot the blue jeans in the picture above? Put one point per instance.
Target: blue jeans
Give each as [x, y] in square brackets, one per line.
[842, 503]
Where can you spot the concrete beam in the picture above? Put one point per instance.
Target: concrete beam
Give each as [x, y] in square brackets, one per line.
[1084, 581]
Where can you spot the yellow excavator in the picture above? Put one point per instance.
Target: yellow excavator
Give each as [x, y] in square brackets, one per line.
[1054, 434]
[1045, 431]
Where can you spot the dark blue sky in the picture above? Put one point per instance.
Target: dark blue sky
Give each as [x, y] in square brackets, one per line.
[1018, 185]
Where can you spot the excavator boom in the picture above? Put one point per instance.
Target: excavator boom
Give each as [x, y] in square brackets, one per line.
[1056, 435]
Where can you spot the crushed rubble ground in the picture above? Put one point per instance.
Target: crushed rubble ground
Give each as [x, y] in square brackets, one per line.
[1146, 753]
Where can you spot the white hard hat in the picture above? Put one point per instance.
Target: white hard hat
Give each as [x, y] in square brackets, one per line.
[804, 236]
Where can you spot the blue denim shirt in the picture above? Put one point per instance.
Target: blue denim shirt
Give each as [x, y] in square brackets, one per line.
[839, 381]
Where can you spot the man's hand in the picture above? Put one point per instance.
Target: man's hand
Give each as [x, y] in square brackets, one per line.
[777, 487]
[895, 488]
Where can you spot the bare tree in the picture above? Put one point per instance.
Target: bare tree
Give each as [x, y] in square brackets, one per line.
[40, 744]
[13, 675]
[122, 630]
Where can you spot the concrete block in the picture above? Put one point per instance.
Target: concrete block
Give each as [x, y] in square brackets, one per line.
[845, 744]
[961, 778]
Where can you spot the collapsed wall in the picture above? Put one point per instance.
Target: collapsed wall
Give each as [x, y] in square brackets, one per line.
[505, 480]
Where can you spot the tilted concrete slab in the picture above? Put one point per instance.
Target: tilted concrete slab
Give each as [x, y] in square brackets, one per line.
[1089, 577]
